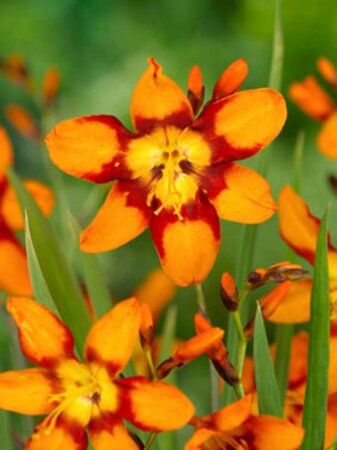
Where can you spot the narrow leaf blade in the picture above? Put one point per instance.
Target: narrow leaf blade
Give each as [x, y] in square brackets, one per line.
[316, 394]
[54, 266]
[267, 390]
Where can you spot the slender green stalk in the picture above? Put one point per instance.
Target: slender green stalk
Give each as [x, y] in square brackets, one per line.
[149, 359]
[201, 300]
[275, 75]
[150, 440]
[298, 157]
[214, 377]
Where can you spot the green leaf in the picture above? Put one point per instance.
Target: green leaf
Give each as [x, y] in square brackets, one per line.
[267, 390]
[275, 75]
[40, 289]
[53, 266]
[5, 431]
[93, 276]
[316, 394]
[283, 338]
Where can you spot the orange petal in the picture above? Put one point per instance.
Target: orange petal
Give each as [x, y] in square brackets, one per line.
[122, 217]
[231, 416]
[14, 275]
[195, 89]
[240, 194]
[44, 339]
[312, 99]
[197, 345]
[199, 437]
[61, 435]
[157, 100]
[22, 121]
[6, 153]
[10, 208]
[331, 420]
[231, 79]
[242, 124]
[298, 364]
[328, 71]
[111, 436]
[157, 291]
[327, 137]
[154, 405]
[298, 227]
[90, 147]
[50, 86]
[120, 325]
[291, 302]
[174, 237]
[27, 391]
[272, 433]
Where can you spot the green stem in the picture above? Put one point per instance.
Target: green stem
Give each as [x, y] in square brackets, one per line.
[150, 440]
[201, 300]
[149, 359]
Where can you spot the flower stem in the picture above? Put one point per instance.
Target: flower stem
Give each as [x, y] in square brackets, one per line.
[150, 440]
[201, 301]
[149, 359]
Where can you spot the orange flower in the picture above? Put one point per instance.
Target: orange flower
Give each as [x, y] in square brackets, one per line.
[14, 277]
[77, 395]
[175, 174]
[235, 427]
[22, 121]
[299, 228]
[315, 102]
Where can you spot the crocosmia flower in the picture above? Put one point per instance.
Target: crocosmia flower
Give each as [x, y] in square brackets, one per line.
[176, 172]
[75, 394]
[318, 104]
[235, 427]
[14, 277]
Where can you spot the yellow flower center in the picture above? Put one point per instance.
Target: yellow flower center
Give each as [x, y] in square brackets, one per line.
[168, 162]
[86, 392]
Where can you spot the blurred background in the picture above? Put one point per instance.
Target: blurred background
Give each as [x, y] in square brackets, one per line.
[100, 48]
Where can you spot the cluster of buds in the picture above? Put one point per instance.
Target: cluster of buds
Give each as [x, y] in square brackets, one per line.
[276, 273]
[208, 340]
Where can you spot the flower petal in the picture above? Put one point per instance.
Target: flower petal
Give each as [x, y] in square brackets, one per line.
[11, 211]
[6, 154]
[327, 137]
[157, 291]
[174, 237]
[14, 275]
[157, 100]
[113, 436]
[312, 99]
[240, 194]
[56, 436]
[230, 416]
[231, 79]
[112, 338]
[90, 147]
[242, 124]
[273, 433]
[22, 121]
[199, 437]
[122, 217]
[298, 227]
[294, 307]
[44, 339]
[154, 405]
[27, 391]
[195, 89]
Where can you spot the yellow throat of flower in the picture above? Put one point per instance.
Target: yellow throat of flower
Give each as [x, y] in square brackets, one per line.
[168, 162]
[86, 392]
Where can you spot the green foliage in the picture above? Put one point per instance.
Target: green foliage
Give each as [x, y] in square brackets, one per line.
[316, 393]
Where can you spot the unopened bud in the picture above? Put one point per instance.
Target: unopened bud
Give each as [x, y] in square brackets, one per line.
[229, 292]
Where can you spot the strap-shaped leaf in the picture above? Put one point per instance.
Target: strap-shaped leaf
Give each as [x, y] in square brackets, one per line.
[316, 394]
[54, 267]
[267, 390]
